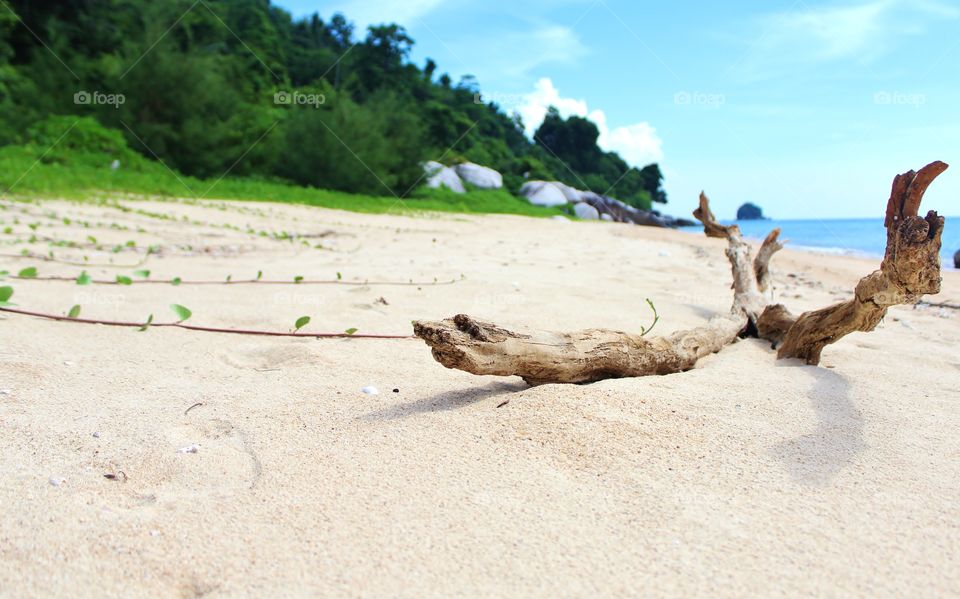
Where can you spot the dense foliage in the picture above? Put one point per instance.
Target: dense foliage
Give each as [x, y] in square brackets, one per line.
[238, 87]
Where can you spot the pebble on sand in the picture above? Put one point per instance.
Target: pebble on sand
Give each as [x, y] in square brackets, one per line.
[371, 390]
[189, 449]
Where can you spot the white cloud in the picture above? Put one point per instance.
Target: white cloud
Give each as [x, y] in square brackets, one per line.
[638, 143]
[833, 32]
[374, 12]
[859, 32]
[510, 56]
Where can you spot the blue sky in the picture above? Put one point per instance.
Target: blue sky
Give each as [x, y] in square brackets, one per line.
[805, 107]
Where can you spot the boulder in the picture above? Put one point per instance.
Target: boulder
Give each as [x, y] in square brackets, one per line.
[573, 195]
[543, 193]
[750, 212]
[586, 211]
[443, 176]
[956, 259]
[480, 176]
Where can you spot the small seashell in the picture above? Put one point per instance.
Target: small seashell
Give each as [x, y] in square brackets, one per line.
[189, 449]
[56, 481]
[371, 390]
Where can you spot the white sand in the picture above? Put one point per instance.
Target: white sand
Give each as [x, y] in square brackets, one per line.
[744, 476]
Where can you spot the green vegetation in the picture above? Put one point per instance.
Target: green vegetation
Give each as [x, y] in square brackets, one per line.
[573, 142]
[301, 322]
[236, 99]
[183, 313]
[79, 173]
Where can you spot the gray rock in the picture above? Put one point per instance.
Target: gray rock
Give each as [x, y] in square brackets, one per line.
[750, 212]
[543, 193]
[573, 195]
[480, 176]
[586, 211]
[443, 176]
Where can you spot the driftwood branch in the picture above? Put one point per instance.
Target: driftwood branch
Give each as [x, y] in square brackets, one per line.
[591, 355]
[910, 269]
[761, 266]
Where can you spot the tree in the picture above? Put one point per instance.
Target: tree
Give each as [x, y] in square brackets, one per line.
[199, 83]
[653, 182]
[352, 147]
[570, 147]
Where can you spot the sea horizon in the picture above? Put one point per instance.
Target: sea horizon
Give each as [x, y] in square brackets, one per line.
[863, 237]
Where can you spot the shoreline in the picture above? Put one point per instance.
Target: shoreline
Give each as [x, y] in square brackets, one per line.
[946, 255]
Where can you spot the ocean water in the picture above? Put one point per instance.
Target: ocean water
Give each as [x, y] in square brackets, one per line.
[855, 236]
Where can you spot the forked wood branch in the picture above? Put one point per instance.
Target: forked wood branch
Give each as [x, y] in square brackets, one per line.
[910, 269]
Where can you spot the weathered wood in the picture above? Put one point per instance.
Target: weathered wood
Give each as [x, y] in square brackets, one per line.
[579, 357]
[774, 323]
[761, 266]
[591, 355]
[910, 269]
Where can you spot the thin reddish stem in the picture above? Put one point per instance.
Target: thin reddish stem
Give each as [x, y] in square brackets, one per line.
[189, 327]
[244, 282]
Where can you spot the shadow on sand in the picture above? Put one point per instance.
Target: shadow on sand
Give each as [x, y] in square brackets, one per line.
[816, 457]
[448, 400]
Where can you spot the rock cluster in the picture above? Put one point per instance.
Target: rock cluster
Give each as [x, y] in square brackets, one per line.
[586, 204]
[591, 205]
[454, 178]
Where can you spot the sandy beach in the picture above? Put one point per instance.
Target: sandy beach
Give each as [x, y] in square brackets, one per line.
[744, 476]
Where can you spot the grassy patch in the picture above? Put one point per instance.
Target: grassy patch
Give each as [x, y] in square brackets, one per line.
[27, 171]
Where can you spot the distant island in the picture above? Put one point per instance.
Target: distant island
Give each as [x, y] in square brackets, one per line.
[750, 212]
